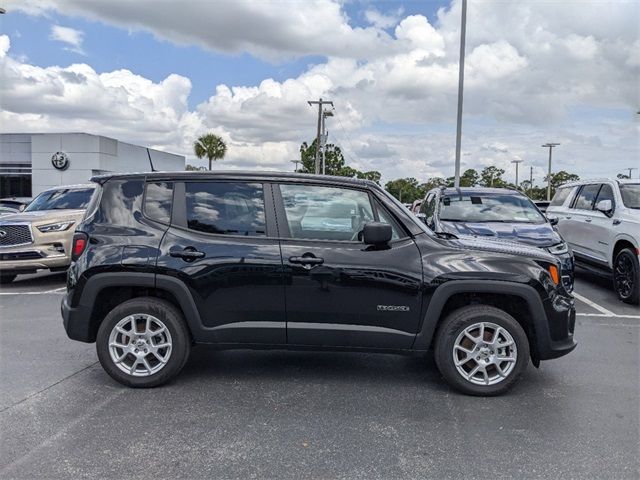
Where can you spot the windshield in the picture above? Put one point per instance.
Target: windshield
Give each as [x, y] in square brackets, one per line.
[630, 194]
[63, 199]
[484, 207]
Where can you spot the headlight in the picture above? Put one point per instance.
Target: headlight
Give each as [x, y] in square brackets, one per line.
[558, 249]
[55, 227]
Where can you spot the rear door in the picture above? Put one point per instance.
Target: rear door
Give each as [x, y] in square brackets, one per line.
[339, 291]
[222, 244]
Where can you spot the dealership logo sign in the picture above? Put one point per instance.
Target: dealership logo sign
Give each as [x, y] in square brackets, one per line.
[60, 161]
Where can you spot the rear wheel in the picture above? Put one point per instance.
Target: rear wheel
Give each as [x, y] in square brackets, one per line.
[481, 350]
[625, 276]
[6, 278]
[143, 342]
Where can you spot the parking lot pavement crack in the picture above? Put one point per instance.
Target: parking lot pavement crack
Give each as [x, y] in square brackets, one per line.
[28, 397]
[4, 473]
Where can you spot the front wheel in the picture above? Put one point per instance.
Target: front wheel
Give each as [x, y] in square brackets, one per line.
[143, 342]
[481, 350]
[625, 276]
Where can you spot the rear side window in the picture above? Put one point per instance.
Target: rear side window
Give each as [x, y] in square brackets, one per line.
[560, 197]
[158, 200]
[586, 197]
[226, 208]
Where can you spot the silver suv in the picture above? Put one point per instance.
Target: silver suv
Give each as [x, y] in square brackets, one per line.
[600, 220]
[40, 236]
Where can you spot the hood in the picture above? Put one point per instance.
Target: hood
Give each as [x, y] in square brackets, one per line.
[39, 215]
[537, 235]
[469, 242]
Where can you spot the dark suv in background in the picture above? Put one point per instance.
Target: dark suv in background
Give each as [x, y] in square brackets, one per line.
[497, 214]
[163, 261]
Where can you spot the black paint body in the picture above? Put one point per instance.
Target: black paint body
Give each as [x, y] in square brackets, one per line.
[245, 292]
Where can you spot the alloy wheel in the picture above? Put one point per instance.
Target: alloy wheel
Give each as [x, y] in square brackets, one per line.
[485, 353]
[623, 276]
[140, 345]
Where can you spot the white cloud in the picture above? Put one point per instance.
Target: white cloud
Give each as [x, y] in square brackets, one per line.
[383, 20]
[70, 36]
[530, 75]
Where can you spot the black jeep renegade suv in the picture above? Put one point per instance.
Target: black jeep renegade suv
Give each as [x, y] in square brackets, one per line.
[163, 261]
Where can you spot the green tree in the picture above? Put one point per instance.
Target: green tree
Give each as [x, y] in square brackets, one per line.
[433, 182]
[406, 190]
[469, 178]
[210, 146]
[193, 168]
[334, 163]
[492, 177]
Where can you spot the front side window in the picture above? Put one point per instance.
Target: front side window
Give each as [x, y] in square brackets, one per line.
[630, 194]
[63, 199]
[227, 208]
[326, 213]
[586, 197]
[606, 193]
[483, 207]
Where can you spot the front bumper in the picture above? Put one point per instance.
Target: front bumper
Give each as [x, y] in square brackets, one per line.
[555, 336]
[54, 253]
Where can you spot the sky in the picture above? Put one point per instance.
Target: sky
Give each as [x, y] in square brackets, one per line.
[160, 73]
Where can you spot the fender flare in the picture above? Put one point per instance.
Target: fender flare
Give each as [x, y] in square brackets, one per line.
[431, 320]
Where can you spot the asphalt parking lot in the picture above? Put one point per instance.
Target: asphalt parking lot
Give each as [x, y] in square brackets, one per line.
[247, 414]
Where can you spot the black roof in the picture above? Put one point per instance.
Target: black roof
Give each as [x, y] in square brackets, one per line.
[235, 174]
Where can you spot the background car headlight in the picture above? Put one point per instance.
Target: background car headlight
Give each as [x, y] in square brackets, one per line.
[559, 249]
[55, 227]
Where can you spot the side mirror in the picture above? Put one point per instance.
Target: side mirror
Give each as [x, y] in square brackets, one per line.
[604, 206]
[377, 233]
[553, 221]
[22, 207]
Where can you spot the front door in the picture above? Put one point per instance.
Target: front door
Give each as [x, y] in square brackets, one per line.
[221, 245]
[339, 291]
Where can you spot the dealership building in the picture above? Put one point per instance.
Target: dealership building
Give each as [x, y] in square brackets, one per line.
[33, 162]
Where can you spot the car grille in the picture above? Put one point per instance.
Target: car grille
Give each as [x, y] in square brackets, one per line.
[14, 235]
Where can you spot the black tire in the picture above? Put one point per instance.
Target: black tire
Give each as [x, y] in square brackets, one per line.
[456, 323]
[6, 278]
[172, 319]
[626, 276]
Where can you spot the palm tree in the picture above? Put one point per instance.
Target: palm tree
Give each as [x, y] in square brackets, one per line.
[210, 146]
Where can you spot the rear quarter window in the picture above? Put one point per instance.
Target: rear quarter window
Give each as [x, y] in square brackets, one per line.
[560, 197]
[158, 200]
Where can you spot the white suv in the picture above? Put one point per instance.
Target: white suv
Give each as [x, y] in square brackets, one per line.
[600, 220]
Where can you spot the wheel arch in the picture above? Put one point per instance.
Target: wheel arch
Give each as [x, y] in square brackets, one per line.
[519, 300]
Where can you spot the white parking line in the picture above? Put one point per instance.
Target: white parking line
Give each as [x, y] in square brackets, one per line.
[59, 291]
[605, 315]
[608, 313]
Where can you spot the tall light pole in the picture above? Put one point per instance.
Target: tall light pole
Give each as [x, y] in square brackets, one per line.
[550, 146]
[296, 163]
[516, 161]
[463, 35]
[530, 181]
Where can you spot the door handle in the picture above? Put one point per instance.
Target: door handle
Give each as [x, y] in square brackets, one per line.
[587, 220]
[307, 260]
[189, 254]
[568, 217]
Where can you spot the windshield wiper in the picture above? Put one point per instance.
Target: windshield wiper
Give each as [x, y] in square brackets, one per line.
[446, 235]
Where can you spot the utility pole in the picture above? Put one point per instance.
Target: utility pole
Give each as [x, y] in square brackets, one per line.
[550, 146]
[320, 103]
[516, 161]
[530, 181]
[630, 170]
[463, 34]
[324, 135]
[296, 162]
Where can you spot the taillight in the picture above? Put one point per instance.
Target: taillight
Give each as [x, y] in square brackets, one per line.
[80, 241]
